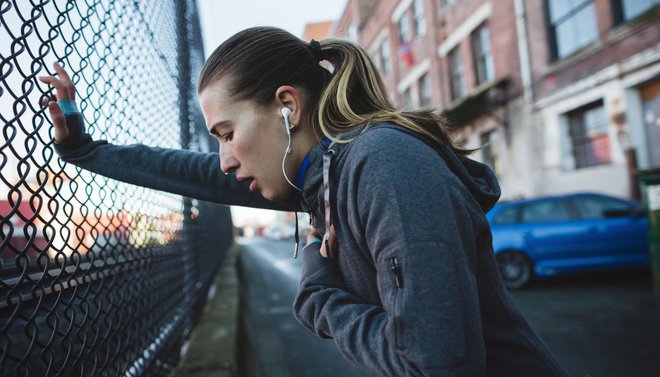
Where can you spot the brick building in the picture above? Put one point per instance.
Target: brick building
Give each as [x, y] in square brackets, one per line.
[561, 94]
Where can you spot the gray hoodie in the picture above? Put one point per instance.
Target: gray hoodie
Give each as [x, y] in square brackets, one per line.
[414, 288]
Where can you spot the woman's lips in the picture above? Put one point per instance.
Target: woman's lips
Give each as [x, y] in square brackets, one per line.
[253, 186]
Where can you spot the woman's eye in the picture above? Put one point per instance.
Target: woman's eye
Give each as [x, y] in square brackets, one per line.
[227, 137]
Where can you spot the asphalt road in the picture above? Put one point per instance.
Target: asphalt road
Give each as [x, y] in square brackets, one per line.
[598, 325]
[271, 342]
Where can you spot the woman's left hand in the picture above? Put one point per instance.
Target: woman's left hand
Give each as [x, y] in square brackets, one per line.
[332, 239]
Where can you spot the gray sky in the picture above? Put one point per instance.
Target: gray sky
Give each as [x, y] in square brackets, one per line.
[222, 18]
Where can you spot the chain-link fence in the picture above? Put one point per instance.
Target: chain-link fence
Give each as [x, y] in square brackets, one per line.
[99, 277]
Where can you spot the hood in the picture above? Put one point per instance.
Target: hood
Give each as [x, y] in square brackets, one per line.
[477, 177]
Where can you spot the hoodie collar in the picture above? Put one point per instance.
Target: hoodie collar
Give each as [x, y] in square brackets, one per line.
[477, 177]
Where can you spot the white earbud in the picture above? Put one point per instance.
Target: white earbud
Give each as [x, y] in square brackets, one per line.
[286, 112]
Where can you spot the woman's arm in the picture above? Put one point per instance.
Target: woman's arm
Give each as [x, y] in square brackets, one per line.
[193, 174]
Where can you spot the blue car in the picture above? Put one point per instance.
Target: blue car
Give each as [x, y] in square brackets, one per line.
[556, 235]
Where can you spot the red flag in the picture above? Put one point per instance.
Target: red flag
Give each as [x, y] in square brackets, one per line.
[405, 53]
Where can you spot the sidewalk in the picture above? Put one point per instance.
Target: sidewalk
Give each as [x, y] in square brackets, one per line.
[212, 347]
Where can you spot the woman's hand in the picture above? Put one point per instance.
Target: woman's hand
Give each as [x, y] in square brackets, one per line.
[332, 238]
[64, 89]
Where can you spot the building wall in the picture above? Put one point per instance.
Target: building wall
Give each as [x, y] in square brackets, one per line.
[614, 43]
[531, 145]
[456, 22]
[611, 69]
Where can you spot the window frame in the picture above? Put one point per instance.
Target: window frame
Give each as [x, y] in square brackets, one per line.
[408, 101]
[386, 58]
[618, 13]
[578, 138]
[408, 35]
[490, 145]
[483, 61]
[424, 92]
[454, 56]
[419, 19]
[551, 29]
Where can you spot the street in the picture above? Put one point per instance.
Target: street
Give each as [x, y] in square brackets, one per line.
[271, 342]
[602, 324]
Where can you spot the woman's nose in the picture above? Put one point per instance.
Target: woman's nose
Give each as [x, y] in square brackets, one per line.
[228, 163]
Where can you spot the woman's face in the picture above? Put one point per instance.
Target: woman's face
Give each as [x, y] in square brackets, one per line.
[253, 141]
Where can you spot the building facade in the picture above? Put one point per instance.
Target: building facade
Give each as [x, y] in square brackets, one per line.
[560, 96]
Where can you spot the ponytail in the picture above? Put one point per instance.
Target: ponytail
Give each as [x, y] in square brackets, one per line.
[356, 95]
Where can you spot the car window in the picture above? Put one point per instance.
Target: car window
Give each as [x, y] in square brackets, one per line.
[545, 210]
[506, 216]
[595, 207]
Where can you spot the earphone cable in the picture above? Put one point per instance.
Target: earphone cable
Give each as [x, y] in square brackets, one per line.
[286, 153]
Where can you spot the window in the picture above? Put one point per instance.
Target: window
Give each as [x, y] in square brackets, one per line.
[353, 33]
[588, 134]
[418, 18]
[424, 87]
[404, 29]
[600, 207]
[407, 99]
[377, 60]
[545, 211]
[483, 57]
[381, 58]
[456, 74]
[489, 151]
[625, 10]
[385, 54]
[507, 216]
[572, 25]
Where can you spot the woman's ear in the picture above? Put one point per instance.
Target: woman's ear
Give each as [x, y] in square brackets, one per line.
[289, 97]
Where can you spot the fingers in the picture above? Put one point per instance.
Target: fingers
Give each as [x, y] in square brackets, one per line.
[59, 122]
[63, 74]
[64, 88]
[312, 235]
[332, 240]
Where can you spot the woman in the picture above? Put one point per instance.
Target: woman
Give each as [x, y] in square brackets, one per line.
[404, 279]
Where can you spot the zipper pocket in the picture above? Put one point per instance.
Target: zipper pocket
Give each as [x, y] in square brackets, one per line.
[395, 268]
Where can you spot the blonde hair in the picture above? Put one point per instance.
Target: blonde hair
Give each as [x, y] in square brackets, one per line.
[356, 96]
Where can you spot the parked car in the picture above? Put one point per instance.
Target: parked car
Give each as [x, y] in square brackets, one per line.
[556, 235]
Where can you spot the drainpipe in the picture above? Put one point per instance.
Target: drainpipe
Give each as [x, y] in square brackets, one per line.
[523, 51]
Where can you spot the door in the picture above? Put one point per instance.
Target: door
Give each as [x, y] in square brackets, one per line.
[650, 95]
[619, 232]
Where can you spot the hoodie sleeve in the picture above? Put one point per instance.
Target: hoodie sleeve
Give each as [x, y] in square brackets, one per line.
[192, 174]
[415, 219]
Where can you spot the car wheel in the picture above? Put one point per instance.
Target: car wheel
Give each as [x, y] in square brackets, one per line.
[515, 269]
